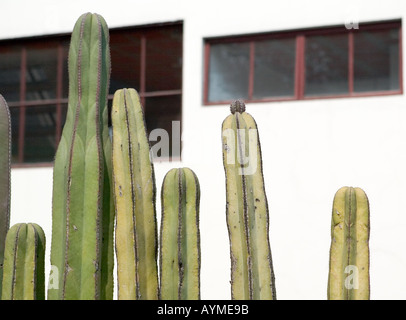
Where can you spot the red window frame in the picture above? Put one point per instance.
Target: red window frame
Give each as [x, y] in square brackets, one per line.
[299, 82]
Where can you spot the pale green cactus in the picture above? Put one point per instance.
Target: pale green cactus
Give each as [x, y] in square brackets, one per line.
[5, 166]
[24, 271]
[180, 236]
[83, 211]
[134, 195]
[348, 277]
[252, 275]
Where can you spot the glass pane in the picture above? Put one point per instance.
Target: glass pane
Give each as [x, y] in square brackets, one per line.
[125, 60]
[274, 74]
[65, 74]
[326, 63]
[376, 60]
[160, 113]
[39, 142]
[41, 73]
[229, 71]
[10, 61]
[163, 59]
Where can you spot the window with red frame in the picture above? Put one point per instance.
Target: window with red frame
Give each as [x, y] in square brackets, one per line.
[34, 81]
[305, 64]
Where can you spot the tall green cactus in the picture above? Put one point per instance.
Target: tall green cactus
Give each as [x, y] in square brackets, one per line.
[83, 211]
[24, 272]
[5, 163]
[252, 275]
[134, 194]
[348, 277]
[180, 237]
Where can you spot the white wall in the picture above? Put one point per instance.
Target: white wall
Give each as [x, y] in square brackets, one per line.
[310, 149]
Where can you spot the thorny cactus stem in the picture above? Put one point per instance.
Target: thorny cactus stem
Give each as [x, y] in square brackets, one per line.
[5, 165]
[252, 275]
[348, 277]
[83, 211]
[134, 195]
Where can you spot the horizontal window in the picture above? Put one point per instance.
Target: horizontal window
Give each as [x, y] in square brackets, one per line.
[34, 81]
[304, 64]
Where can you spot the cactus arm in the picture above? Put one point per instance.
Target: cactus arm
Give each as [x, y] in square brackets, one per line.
[24, 277]
[235, 215]
[5, 165]
[80, 212]
[180, 237]
[190, 286]
[252, 274]
[349, 246]
[134, 190]
[169, 248]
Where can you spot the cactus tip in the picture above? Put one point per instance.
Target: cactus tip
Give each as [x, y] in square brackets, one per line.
[237, 105]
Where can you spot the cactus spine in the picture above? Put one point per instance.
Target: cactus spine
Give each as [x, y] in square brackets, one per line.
[134, 195]
[180, 238]
[5, 163]
[83, 212]
[252, 275]
[24, 273]
[349, 252]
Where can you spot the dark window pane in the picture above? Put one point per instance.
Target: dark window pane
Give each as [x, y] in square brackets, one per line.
[10, 61]
[164, 59]
[229, 71]
[376, 60]
[326, 63]
[39, 142]
[164, 113]
[65, 70]
[125, 60]
[274, 74]
[41, 74]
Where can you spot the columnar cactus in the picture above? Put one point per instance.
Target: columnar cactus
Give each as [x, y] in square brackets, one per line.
[5, 160]
[180, 237]
[134, 195]
[349, 252]
[252, 275]
[24, 272]
[83, 211]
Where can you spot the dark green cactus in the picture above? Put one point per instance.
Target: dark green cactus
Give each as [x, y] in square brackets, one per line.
[5, 163]
[24, 272]
[134, 194]
[180, 236]
[348, 277]
[252, 275]
[83, 211]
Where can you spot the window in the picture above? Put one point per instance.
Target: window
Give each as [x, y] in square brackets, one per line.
[34, 81]
[304, 64]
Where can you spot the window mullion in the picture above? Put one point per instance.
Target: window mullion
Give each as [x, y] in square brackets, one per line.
[251, 71]
[23, 87]
[300, 67]
[350, 62]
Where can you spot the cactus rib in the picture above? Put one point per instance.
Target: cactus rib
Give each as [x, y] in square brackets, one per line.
[5, 165]
[24, 273]
[349, 252]
[180, 236]
[83, 213]
[252, 275]
[134, 195]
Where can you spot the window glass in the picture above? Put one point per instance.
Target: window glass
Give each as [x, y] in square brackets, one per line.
[376, 60]
[326, 64]
[10, 61]
[274, 74]
[41, 74]
[229, 71]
